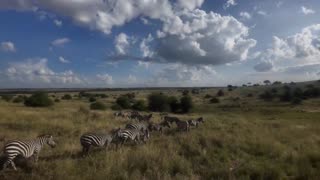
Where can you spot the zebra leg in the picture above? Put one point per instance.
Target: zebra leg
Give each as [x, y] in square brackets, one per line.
[85, 150]
[9, 161]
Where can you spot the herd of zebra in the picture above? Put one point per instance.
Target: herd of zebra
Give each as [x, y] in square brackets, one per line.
[137, 132]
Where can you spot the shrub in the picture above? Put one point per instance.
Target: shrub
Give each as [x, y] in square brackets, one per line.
[207, 96]
[214, 100]
[296, 101]
[116, 107]
[267, 96]
[66, 97]
[185, 92]
[7, 97]
[57, 100]
[220, 93]
[186, 104]
[250, 95]
[39, 99]
[123, 102]
[298, 93]
[158, 102]
[174, 104]
[287, 94]
[19, 99]
[98, 106]
[92, 99]
[195, 91]
[139, 105]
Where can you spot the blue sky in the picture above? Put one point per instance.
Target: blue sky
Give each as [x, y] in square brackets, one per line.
[146, 43]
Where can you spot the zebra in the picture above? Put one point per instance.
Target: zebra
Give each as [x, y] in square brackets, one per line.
[139, 126]
[26, 148]
[170, 119]
[144, 118]
[159, 127]
[193, 123]
[135, 135]
[182, 125]
[95, 139]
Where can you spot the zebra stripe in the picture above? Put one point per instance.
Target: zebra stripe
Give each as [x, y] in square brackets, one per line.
[182, 125]
[26, 148]
[95, 139]
[132, 135]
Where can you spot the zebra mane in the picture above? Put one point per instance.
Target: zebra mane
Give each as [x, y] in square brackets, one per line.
[44, 135]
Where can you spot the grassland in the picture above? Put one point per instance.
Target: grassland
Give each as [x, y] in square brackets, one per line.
[242, 138]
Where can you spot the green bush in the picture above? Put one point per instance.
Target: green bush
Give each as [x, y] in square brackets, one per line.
[92, 99]
[186, 104]
[98, 106]
[267, 96]
[116, 107]
[174, 104]
[57, 100]
[296, 101]
[123, 102]
[7, 97]
[207, 96]
[139, 105]
[66, 97]
[214, 100]
[19, 99]
[158, 102]
[39, 99]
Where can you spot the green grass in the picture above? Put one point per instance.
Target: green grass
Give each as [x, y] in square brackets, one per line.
[268, 140]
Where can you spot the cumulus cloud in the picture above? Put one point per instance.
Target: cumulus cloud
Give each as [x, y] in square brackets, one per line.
[307, 11]
[263, 66]
[60, 41]
[63, 60]
[300, 49]
[229, 3]
[203, 38]
[105, 78]
[36, 73]
[97, 14]
[262, 13]
[245, 15]
[7, 46]
[190, 4]
[122, 43]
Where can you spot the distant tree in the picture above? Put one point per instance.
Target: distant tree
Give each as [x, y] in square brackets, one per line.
[277, 83]
[266, 82]
[267, 96]
[66, 97]
[287, 94]
[214, 100]
[230, 87]
[7, 97]
[57, 100]
[257, 84]
[186, 104]
[174, 104]
[195, 91]
[18, 99]
[298, 93]
[123, 102]
[98, 106]
[220, 93]
[296, 101]
[185, 92]
[244, 85]
[207, 96]
[92, 99]
[38, 99]
[139, 105]
[158, 102]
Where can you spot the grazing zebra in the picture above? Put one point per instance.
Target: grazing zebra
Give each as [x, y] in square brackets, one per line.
[200, 120]
[144, 118]
[193, 123]
[133, 135]
[182, 125]
[170, 119]
[139, 126]
[159, 127]
[97, 140]
[26, 148]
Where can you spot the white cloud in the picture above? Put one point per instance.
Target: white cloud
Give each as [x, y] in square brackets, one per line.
[7, 46]
[229, 3]
[262, 13]
[60, 41]
[297, 50]
[307, 11]
[105, 78]
[144, 46]
[203, 38]
[63, 60]
[245, 15]
[36, 73]
[121, 43]
[57, 23]
[189, 4]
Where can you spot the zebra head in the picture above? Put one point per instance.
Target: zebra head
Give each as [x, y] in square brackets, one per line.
[200, 119]
[48, 139]
[166, 124]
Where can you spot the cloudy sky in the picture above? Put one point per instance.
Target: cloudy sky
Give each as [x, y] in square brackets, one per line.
[150, 43]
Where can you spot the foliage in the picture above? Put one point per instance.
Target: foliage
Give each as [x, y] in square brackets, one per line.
[186, 104]
[98, 106]
[19, 99]
[7, 97]
[116, 107]
[220, 93]
[66, 97]
[214, 100]
[158, 102]
[139, 105]
[92, 99]
[174, 104]
[39, 99]
[267, 95]
[123, 102]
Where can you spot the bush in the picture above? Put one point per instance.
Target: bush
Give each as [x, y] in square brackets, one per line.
[250, 95]
[267, 96]
[57, 100]
[158, 102]
[139, 105]
[19, 99]
[92, 99]
[98, 106]
[123, 102]
[207, 96]
[214, 100]
[174, 104]
[116, 107]
[185, 92]
[7, 97]
[220, 93]
[66, 97]
[186, 104]
[286, 95]
[296, 101]
[39, 99]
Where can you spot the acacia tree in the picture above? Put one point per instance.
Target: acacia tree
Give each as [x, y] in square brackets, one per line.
[267, 82]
